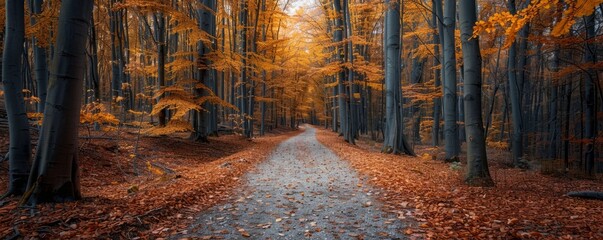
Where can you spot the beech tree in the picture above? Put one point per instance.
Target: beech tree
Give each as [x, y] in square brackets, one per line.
[477, 161]
[20, 149]
[54, 174]
[394, 139]
[451, 133]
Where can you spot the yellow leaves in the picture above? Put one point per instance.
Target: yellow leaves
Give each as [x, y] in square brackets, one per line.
[178, 103]
[153, 169]
[265, 99]
[575, 9]
[172, 127]
[562, 27]
[498, 145]
[95, 112]
[511, 24]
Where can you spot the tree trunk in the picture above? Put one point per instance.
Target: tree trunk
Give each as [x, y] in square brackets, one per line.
[54, 175]
[20, 148]
[394, 140]
[203, 119]
[338, 39]
[477, 162]
[439, 73]
[243, 49]
[451, 133]
[159, 20]
[352, 113]
[40, 65]
[590, 118]
[553, 109]
[515, 92]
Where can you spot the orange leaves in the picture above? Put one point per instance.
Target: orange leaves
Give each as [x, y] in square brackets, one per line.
[96, 113]
[523, 205]
[568, 12]
[575, 9]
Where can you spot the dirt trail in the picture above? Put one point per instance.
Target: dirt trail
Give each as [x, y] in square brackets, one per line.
[302, 190]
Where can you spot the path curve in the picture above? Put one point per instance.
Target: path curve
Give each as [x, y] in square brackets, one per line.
[303, 190]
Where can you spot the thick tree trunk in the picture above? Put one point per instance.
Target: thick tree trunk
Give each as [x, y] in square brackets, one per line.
[54, 175]
[20, 147]
[451, 132]
[204, 118]
[477, 162]
[394, 140]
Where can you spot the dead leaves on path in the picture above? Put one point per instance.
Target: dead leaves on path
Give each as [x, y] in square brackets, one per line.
[522, 205]
[159, 207]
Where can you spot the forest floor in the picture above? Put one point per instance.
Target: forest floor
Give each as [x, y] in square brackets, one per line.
[174, 187]
[524, 204]
[155, 193]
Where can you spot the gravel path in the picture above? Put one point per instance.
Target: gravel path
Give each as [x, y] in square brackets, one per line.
[302, 191]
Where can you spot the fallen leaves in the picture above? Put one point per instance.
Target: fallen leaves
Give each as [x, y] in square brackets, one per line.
[119, 204]
[524, 204]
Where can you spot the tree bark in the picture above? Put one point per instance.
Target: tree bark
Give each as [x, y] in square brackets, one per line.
[477, 162]
[451, 132]
[438, 40]
[394, 140]
[338, 39]
[20, 148]
[590, 116]
[515, 93]
[160, 32]
[54, 176]
[40, 65]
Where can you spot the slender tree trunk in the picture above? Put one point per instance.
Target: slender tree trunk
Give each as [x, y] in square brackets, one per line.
[590, 118]
[416, 76]
[41, 67]
[437, 62]
[451, 132]
[394, 140]
[554, 126]
[19, 154]
[161, 55]
[515, 93]
[54, 176]
[338, 39]
[477, 161]
[244, 80]
[352, 113]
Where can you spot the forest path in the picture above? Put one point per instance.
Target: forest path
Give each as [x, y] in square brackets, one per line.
[303, 190]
